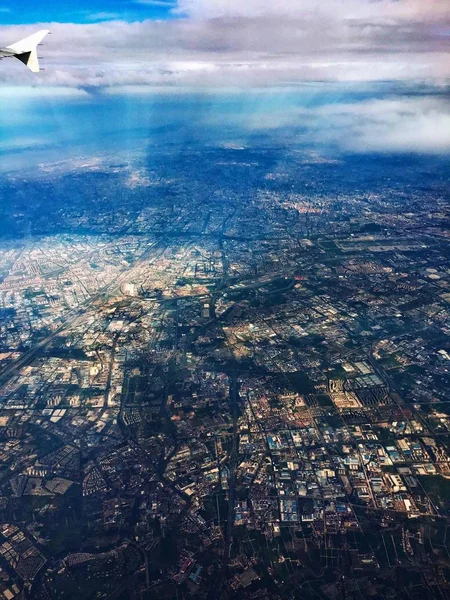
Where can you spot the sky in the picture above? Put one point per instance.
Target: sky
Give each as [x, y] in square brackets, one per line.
[83, 11]
[112, 43]
[395, 49]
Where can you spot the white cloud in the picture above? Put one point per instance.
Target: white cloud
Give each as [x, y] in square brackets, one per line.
[248, 43]
[402, 124]
[371, 10]
[102, 16]
[12, 92]
[162, 3]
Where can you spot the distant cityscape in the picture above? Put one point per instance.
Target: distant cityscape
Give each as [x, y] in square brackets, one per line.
[225, 376]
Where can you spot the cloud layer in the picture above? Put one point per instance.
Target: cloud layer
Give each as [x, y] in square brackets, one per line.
[251, 43]
[411, 125]
[369, 10]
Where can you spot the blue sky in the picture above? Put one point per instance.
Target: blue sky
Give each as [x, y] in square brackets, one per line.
[82, 11]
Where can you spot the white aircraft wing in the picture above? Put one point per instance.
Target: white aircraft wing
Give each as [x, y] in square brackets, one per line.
[26, 50]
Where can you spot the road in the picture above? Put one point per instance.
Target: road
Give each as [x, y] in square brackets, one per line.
[216, 592]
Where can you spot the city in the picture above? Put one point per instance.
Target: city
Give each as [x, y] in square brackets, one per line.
[225, 375]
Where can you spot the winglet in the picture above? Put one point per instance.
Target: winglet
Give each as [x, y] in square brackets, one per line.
[26, 50]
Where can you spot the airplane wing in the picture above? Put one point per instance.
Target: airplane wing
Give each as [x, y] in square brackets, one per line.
[26, 50]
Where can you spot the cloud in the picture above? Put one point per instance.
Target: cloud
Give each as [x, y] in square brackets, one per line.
[416, 125]
[248, 43]
[102, 16]
[331, 118]
[372, 10]
[162, 3]
[9, 92]
[395, 123]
